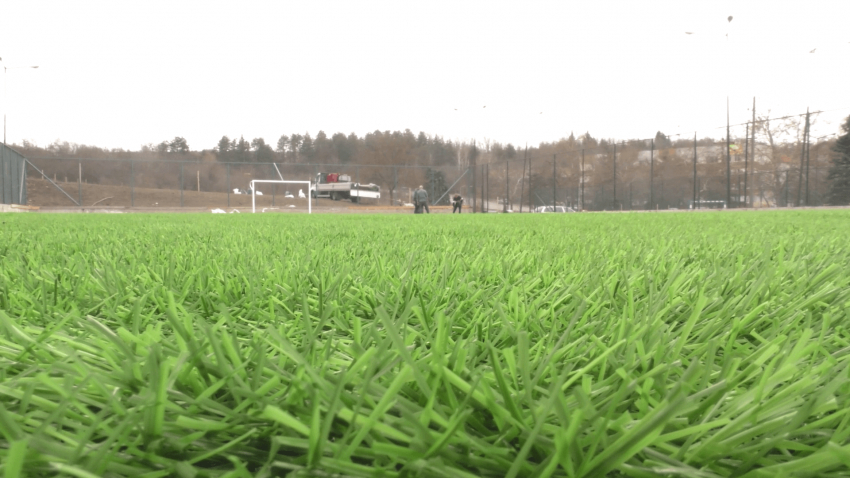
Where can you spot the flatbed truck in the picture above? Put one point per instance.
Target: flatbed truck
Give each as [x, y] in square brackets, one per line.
[340, 186]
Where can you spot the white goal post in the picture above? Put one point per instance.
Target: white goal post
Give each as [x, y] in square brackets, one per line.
[254, 190]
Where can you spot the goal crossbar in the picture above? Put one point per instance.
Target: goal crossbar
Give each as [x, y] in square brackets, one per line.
[275, 181]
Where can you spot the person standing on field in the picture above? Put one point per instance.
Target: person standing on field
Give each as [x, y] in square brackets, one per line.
[457, 202]
[420, 200]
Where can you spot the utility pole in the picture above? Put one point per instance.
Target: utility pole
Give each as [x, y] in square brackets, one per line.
[808, 147]
[728, 161]
[802, 162]
[753, 141]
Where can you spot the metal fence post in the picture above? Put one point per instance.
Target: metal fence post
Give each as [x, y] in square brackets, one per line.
[5, 166]
[395, 186]
[530, 197]
[746, 163]
[3, 174]
[487, 182]
[728, 160]
[652, 172]
[753, 141]
[482, 188]
[13, 176]
[487, 179]
[808, 148]
[698, 199]
[554, 181]
[807, 145]
[228, 184]
[22, 193]
[80, 181]
[17, 187]
[522, 178]
[181, 184]
[469, 172]
[739, 187]
[474, 168]
[582, 179]
[274, 187]
[614, 179]
[786, 188]
[132, 185]
[507, 186]
[10, 178]
[695, 168]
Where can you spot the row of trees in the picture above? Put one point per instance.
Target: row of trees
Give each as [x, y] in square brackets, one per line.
[378, 147]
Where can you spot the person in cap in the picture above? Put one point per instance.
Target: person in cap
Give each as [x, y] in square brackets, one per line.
[420, 201]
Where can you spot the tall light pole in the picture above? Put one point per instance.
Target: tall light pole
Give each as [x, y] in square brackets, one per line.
[728, 154]
[5, 101]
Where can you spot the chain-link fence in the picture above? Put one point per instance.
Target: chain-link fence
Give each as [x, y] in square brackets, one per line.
[636, 180]
[663, 173]
[131, 183]
[774, 164]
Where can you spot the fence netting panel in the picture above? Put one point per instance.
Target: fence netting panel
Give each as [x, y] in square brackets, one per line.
[771, 166]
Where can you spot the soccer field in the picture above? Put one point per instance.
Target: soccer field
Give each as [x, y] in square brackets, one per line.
[707, 345]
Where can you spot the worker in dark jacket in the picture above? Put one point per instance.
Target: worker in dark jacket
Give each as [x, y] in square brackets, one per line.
[457, 202]
[420, 200]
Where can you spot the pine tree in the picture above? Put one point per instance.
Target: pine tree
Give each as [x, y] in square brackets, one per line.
[839, 172]
[241, 150]
[178, 145]
[223, 148]
[307, 148]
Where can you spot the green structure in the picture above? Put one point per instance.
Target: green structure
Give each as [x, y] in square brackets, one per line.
[13, 176]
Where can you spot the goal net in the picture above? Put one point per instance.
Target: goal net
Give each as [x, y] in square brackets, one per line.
[302, 187]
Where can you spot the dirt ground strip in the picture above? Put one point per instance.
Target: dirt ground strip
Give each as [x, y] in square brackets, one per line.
[96, 197]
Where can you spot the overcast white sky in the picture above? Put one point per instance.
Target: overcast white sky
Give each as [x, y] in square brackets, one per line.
[123, 74]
